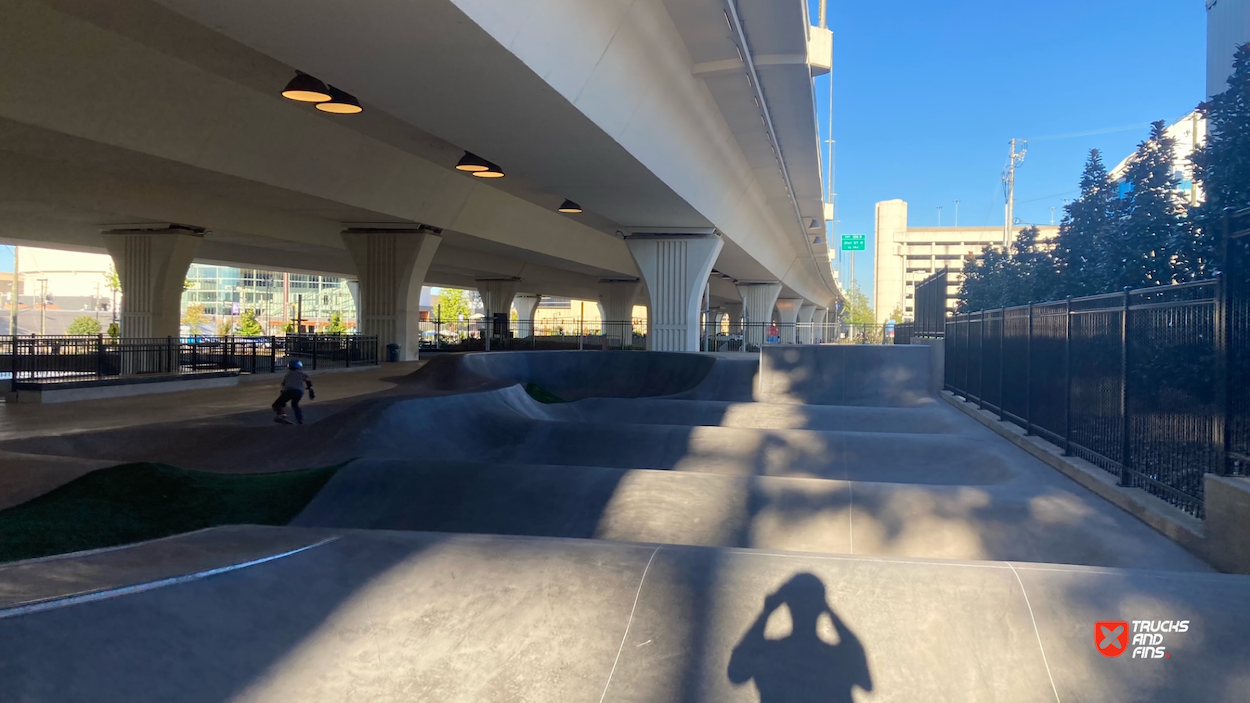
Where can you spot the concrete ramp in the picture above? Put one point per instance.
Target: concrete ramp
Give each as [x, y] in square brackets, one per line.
[846, 374]
[393, 617]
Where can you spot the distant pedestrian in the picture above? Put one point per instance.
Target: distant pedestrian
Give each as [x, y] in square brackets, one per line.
[774, 335]
[293, 385]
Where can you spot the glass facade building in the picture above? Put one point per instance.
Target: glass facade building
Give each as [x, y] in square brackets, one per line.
[225, 293]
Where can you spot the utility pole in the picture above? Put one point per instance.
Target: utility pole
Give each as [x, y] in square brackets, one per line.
[1052, 214]
[1009, 185]
[956, 213]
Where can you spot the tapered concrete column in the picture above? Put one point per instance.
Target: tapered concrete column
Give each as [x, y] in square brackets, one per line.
[526, 305]
[391, 267]
[734, 311]
[788, 316]
[758, 301]
[819, 317]
[675, 268]
[616, 309]
[497, 294]
[806, 334]
[152, 268]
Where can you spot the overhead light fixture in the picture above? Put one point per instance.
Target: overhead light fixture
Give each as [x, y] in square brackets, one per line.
[491, 171]
[570, 206]
[306, 89]
[340, 103]
[472, 162]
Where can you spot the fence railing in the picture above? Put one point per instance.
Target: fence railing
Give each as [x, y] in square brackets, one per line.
[929, 305]
[1130, 381]
[62, 359]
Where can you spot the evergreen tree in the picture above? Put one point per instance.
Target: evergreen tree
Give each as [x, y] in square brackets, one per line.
[249, 326]
[1086, 234]
[336, 324]
[1221, 167]
[114, 330]
[984, 278]
[1149, 229]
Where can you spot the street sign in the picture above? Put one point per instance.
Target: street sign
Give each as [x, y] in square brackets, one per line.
[853, 242]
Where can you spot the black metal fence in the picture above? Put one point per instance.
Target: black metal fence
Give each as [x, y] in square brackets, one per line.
[929, 306]
[37, 360]
[1148, 384]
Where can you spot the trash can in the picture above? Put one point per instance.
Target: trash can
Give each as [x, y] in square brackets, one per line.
[392, 352]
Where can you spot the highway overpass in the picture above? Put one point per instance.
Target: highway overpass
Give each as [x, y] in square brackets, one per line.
[685, 130]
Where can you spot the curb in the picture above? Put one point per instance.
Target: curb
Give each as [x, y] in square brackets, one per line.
[1178, 526]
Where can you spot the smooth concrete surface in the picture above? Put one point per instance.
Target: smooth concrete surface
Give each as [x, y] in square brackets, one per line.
[846, 374]
[53, 394]
[1227, 533]
[408, 616]
[629, 546]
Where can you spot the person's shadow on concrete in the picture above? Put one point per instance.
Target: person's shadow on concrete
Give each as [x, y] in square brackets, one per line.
[800, 668]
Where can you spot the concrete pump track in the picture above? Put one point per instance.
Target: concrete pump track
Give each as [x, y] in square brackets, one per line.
[635, 543]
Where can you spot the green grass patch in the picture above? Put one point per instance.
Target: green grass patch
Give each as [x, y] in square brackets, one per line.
[136, 502]
[542, 395]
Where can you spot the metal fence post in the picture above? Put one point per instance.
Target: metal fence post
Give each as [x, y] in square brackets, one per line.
[314, 352]
[273, 353]
[1126, 452]
[1002, 335]
[99, 356]
[169, 356]
[1067, 377]
[1220, 424]
[1028, 376]
[981, 365]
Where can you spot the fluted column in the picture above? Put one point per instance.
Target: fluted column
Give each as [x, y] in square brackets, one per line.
[788, 316]
[758, 301]
[676, 269]
[390, 270]
[152, 269]
[526, 305]
[806, 313]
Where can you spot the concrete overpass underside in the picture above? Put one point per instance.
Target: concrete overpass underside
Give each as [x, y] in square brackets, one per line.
[677, 117]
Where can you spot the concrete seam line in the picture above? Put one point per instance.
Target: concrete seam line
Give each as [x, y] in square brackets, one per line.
[629, 622]
[1036, 631]
[149, 586]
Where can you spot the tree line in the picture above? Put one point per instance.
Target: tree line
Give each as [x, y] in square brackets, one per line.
[1137, 231]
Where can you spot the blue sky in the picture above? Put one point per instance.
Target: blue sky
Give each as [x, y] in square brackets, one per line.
[927, 96]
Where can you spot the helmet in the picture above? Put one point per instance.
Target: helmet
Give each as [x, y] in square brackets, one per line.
[297, 364]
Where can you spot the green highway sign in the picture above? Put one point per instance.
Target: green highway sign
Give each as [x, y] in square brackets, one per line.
[853, 242]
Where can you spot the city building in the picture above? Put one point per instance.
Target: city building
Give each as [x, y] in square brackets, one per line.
[1187, 133]
[907, 255]
[1228, 27]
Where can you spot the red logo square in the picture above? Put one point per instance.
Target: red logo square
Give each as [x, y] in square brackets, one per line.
[1111, 637]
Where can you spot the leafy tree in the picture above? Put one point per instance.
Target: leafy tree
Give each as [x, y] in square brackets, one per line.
[249, 326]
[225, 328]
[896, 314]
[112, 281]
[984, 283]
[450, 304]
[194, 318]
[1087, 230]
[115, 330]
[1149, 230]
[858, 311]
[337, 326]
[1221, 167]
[84, 324]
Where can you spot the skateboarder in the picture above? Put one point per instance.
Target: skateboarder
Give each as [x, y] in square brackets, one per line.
[293, 385]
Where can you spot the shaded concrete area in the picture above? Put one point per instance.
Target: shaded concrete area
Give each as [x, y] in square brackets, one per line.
[695, 545]
[401, 616]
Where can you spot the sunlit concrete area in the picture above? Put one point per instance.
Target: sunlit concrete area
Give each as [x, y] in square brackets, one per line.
[809, 523]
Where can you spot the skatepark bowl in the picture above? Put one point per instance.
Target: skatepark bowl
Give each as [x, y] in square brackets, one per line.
[806, 524]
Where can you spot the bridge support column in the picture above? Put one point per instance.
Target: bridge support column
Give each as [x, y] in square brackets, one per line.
[758, 301]
[526, 305]
[788, 316]
[819, 319]
[616, 309]
[734, 311]
[676, 269]
[497, 296]
[152, 268]
[390, 268]
[806, 334]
